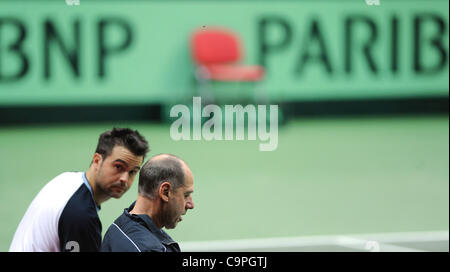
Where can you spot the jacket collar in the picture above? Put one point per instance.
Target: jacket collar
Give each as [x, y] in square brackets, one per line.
[150, 225]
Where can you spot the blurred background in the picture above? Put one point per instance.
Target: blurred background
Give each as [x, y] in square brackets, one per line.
[362, 161]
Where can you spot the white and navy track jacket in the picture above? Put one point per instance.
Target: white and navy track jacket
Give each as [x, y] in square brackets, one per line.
[62, 217]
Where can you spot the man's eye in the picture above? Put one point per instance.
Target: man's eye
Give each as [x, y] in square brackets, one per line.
[119, 167]
[133, 173]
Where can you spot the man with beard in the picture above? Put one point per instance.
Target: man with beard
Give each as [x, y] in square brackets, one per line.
[64, 214]
[164, 196]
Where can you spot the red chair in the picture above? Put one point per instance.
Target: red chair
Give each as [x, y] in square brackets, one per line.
[217, 54]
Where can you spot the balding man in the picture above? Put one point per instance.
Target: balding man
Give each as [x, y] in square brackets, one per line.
[164, 195]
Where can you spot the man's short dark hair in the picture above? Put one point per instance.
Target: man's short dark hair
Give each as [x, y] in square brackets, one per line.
[156, 171]
[130, 139]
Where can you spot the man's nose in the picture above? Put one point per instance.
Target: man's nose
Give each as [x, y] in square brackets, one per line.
[124, 178]
[190, 203]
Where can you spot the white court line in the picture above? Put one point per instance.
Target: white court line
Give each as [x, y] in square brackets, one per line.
[399, 237]
[356, 241]
[384, 240]
[372, 245]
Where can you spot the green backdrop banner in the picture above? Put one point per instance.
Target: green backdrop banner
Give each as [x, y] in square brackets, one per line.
[138, 51]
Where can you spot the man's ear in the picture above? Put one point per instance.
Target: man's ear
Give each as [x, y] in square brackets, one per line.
[164, 191]
[97, 160]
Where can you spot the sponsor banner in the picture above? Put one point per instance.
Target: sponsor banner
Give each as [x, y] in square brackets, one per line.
[116, 52]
